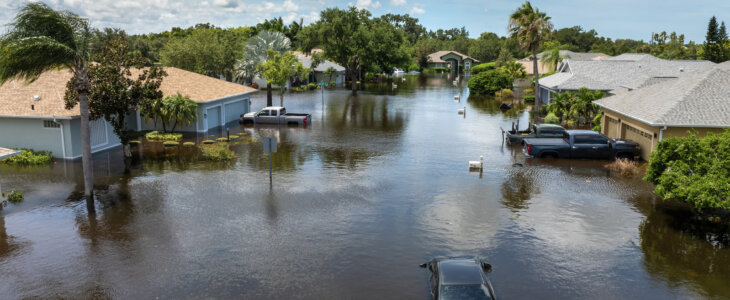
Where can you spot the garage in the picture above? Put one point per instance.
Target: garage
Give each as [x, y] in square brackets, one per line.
[98, 135]
[213, 117]
[612, 127]
[234, 110]
[640, 136]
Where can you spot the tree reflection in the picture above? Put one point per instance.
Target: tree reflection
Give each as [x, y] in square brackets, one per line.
[679, 247]
[490, 105]
[518, 188]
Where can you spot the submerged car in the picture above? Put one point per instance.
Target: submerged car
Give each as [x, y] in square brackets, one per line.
[459, 278]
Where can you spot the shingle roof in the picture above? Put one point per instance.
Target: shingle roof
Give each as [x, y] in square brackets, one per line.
[615, 72]
[306, 60]
[436, 56]
[576, 55]
[697, 99]
[16, 97]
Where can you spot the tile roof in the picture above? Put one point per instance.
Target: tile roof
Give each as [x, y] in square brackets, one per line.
[436, 56]
[16, 96]
[696, 99]
[617, 72]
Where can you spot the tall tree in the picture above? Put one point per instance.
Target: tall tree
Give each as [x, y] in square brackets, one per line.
[208, 51]
[531, 28]
[552, 58]
[712, 48]
[280, 68]
[256, 52]
[41, 39]
[114, 93]
[180, 109]
[724, 42]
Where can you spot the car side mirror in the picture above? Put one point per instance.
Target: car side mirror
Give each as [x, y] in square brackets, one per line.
[487, 267]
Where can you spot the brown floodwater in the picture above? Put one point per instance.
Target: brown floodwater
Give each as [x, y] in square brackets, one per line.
[378, 184]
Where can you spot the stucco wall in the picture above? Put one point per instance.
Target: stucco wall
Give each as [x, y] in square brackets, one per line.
[74, 136]
[30, 133]
[199, 125]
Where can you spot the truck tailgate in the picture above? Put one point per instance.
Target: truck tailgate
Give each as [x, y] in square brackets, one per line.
[545, 141]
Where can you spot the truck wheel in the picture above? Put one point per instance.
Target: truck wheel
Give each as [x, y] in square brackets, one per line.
[625, 156]
[549, 155]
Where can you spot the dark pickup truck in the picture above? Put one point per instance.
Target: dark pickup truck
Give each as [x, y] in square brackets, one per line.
[515, 137]
[581, 144]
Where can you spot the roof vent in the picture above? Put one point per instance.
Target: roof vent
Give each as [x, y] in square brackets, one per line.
[36, 98]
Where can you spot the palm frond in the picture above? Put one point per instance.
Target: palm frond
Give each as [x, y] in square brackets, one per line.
[29, 57]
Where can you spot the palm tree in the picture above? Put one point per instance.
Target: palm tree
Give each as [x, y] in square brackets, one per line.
[552, 58]
[256, 52]
[331, 71]
[583, 105]
[41, 39]
[560, 105]
[531, 28]
[180, 109]
[514, 70]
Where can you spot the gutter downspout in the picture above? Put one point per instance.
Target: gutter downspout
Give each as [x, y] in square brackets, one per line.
[661, 131]
[63, 139]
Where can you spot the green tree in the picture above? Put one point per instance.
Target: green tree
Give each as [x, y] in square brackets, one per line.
[489, 82]
[560, 105]
[515, 70]
[41, 39]
[113, 93]
[412, 30]
[180, 109]
[207, 51]
[486, 48]
[505, 56]
[552, 58]
[693, 170]
[582, 107]
[280, 68]
[712, 48]
[329, 72]
[256, 52]
[531, 28]
[724, 42]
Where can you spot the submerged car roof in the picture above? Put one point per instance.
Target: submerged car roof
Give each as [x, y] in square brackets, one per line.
[460, 271]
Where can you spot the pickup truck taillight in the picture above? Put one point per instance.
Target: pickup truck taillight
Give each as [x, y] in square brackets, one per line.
[305, 121]
[529, 149]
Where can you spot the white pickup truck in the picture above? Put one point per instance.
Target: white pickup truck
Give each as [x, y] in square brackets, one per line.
[275, 115]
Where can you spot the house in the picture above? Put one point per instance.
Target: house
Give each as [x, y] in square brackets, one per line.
[615, 74]
[543, 68]
[318, 73]
[451, 59]
[698, 101]
[33, 115]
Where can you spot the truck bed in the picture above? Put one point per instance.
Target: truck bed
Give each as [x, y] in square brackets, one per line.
[545, 141]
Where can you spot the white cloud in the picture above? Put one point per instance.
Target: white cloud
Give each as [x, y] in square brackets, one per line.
[398, 2]
[418, 9]
[366, 4]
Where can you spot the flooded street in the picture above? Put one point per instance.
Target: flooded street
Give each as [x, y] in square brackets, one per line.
[378, 184]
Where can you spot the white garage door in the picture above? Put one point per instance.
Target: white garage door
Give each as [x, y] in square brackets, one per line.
[213, 118]
[234, 110]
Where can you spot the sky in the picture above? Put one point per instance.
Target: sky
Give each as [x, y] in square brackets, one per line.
[635, 19]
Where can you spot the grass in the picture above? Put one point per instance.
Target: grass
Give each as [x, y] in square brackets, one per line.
[30, 157]
[625, 167]
[217, 152]
[163, 136]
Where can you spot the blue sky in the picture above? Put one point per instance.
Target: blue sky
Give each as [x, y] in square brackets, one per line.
[616, 19]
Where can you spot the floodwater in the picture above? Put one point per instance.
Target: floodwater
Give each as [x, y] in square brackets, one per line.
[378, 184]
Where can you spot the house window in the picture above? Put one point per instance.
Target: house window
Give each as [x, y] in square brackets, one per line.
[50, 124]
[467, 65]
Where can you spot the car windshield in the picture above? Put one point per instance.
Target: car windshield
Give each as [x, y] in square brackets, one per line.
[464, 291]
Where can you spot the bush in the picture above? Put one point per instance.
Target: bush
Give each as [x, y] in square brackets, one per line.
[413, 67]
[217, 152]
[504, 94]
[482, 68]
[529, 98]
[188, 144]
[208, 142]
[30, 157]
[170, 143]
[221, 139]
[625, 167]
[15, 196]
[693, 170]
[312, 86]
[333, 83]
[551, 118]
[489, 82]
[135, 142]
[163, 136]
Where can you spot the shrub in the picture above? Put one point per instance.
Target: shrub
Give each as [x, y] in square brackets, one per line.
[163, 136]
[30, 157]
[333, 83]
[170, 143]
[221, 139]
[693, 170]
[135, 142]
[529, 98]
[188, 144]
[551, 118]
[625, 167]
[217, 152]
[413, 67]
[504, 94]
[312, 86]
[489, 82]
[233, 136]
[15, 196]
[208, 142]
[482, 67]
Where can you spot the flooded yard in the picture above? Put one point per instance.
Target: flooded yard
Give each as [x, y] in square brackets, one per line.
[378, 184]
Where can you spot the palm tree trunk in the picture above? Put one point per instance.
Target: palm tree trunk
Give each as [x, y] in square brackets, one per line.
[538, 101]
[269, 101]
[281, 97]
[86, 150]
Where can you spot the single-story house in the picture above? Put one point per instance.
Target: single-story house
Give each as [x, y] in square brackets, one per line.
[33, 115]
[615, 74]
[451, 59]
[542, 68]
[317, 74]
[698, 101]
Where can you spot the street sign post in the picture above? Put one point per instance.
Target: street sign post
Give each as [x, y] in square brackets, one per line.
[269, 147]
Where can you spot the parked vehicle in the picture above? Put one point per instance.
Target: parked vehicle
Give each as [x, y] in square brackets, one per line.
[459, 278]
[275, 115]
[515, 137]
[581, 144]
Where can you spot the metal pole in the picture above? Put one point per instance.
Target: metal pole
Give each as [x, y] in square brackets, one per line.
[270, 163]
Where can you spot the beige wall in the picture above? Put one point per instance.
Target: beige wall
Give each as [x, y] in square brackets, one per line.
[647, 136]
